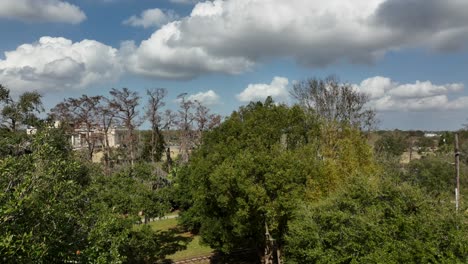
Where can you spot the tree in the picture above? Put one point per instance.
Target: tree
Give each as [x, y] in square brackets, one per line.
[83, 113]
[106, 117]
[377, 221]
[154, 115]
[446, 142]
[42, 210]
[126, 102]
[184, 123]
[435, 175]
[393, 143]
[56, 209]
[335, 102]
[247, 174]
[19, 112]
[204, 121]
[426, 143]
[193, 120]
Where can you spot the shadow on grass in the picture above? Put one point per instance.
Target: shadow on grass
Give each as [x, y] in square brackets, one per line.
[148, 246]
[172, 241]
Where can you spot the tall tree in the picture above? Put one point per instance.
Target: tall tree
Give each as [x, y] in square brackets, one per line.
[245, 176]
[334, 101]
[204, 121]
[107, 119]
[154, 115]
[125, 102]
[19, 112]
[184, 123]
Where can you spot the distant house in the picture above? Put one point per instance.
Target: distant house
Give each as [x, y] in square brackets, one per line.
[115, 136]
[430, 135]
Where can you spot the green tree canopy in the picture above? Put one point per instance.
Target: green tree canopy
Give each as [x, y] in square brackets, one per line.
[22, 111]
[393, 143]
[376, 221]
[249, 172]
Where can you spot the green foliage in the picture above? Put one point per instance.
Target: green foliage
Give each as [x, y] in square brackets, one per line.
[344, 155]
[107, 237]
[19, 112]
[148, 246]
[132, 190]
[426, 143]
[41, 206]
[393, 143]
[55, 209]
[152, 150]
[249, 172]
[446, 141]
[13, 144]
[378, 222]
[434, 174]
[254, 169]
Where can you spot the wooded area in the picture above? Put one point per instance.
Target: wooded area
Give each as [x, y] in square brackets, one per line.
[311, 182]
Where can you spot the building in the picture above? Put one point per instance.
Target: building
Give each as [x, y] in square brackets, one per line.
[115, 137]
[430, 135]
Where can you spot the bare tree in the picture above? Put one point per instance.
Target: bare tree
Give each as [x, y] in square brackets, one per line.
[83, 114]
[107, 119]
[169, 119]
[204, 121]
[184, 122]
[335, 101]
[153, 114]
[125, 102]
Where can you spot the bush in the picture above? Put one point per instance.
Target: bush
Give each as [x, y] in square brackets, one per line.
[383, 222]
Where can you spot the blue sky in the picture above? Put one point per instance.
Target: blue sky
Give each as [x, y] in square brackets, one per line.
[410, 56]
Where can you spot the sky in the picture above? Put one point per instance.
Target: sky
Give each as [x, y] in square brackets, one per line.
[409, 56]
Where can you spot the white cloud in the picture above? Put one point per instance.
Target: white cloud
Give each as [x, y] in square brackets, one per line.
[41, 11]
[388, 95]
[156, 57]
[59, 64]
[232, 36]
[207, 98]
[277, 89]
[152, 18]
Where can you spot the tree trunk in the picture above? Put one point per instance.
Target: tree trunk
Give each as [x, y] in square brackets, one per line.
[13, 125]
[107, 151]
[168, 159]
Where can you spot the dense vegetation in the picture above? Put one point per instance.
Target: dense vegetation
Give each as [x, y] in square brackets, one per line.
[300, 183]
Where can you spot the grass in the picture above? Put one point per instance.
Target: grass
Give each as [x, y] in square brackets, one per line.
[193, 249]
[164, 225]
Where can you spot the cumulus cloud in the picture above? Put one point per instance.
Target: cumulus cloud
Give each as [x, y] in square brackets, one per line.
[41, 11]
[388, 95]
[152, 18]
[232, 36]
[277, 89]
[444, 24]
[207, 98]
[156, 58]
[59, 64]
